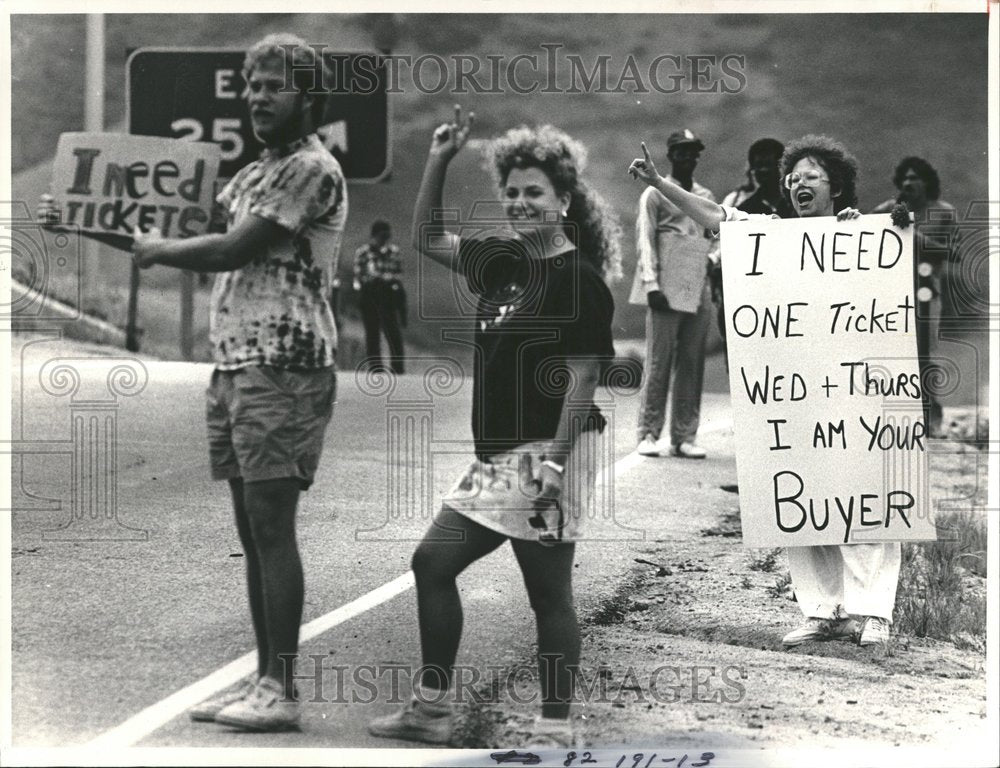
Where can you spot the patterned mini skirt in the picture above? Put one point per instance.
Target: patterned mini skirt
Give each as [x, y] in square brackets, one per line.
[502, 492]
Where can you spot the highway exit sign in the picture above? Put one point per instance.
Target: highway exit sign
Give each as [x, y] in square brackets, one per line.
[196, 94]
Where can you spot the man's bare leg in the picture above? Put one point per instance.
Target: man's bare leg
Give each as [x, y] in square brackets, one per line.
[270, 507]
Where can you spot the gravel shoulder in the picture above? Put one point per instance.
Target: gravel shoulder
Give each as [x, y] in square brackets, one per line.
[688, 645]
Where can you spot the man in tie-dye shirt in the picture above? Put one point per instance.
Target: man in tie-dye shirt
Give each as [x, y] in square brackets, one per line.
[274, 341]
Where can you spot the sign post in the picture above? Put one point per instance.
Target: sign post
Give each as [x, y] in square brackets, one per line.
[93, 121]
[825, 384]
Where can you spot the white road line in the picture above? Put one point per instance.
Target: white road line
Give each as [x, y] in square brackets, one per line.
[150, 719]
[153, 717]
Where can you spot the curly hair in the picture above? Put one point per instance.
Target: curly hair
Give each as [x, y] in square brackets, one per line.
[597, 232]
[299, 58]
[924, 170]
[836, 161]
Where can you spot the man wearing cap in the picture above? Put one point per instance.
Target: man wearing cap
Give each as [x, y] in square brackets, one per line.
[671, 279]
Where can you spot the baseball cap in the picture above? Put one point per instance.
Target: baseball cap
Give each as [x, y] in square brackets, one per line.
[683, 137]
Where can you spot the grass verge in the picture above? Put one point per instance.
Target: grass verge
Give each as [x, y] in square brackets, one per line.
[942, 588]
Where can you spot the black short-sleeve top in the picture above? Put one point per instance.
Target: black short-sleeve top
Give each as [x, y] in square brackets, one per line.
[531, 315]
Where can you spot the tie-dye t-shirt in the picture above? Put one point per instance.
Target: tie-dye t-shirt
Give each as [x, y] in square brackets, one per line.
[276, 309]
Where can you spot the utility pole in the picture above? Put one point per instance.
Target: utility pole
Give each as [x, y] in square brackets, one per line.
[93, 122]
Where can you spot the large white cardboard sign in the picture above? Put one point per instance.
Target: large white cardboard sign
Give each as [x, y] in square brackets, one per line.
[112, 182]
[824, 379]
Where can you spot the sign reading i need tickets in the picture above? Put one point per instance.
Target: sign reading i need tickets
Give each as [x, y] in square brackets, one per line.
[824, 380]
[112, 182]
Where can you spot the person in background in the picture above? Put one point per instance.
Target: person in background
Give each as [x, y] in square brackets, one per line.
[919, 189]
[849, 590]
[762, 194]
[763, 162]
[742, 192]
[377, 268]
[671, 279]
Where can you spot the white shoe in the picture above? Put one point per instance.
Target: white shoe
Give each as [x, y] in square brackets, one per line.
[265, 709]
[209, 708]
[874, 631]
[815, 628]
[688, 451]
[647, 447]
[415, 721]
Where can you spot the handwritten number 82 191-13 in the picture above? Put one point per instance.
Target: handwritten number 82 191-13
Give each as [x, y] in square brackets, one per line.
[640, 760]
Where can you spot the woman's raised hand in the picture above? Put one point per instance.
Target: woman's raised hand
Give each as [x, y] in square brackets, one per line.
[642, 168]
[449, 138]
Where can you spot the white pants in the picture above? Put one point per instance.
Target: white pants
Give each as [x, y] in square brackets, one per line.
[857, 579]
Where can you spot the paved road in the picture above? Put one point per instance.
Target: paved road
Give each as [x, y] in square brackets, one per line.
[115, 622]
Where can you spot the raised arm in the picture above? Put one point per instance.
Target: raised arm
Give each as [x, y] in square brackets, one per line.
[429, 237]
[707, 213]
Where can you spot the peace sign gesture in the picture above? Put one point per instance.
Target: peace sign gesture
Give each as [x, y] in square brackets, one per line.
[643, 168]
[449, 138]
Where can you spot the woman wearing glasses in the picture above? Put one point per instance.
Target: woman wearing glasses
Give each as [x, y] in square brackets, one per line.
[817, 173]
[836, 586]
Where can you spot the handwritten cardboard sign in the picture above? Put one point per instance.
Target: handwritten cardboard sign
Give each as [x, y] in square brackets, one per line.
[824, 379]
[682, 269]
[111, 182]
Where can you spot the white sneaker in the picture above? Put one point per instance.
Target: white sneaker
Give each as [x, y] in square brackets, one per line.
[688, 451]
[874, 631]
[209, 708]
[416, 721]
[265, 709]
[814, 628]
[647, 447]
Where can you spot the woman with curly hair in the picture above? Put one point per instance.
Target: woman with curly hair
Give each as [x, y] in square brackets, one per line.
[542, 332]
[818, 174]
[843, 591]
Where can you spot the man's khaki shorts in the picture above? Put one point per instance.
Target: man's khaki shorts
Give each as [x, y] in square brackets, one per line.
[267, 423]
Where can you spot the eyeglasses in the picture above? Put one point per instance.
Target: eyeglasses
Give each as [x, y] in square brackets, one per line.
[809, 178]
